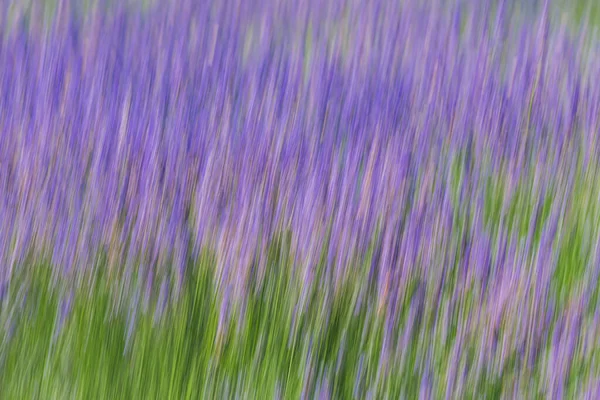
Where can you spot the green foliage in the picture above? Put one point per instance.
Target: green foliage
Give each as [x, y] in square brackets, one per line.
[109, 347]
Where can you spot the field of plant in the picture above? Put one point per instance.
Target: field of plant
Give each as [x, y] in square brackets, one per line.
[299, 199]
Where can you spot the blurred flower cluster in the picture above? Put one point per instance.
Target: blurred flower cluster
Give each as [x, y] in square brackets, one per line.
[444, 149]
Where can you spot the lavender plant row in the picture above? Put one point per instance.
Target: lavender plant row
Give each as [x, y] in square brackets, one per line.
[436, 161]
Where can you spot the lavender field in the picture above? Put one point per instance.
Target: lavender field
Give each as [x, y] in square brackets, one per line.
[311, 199]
